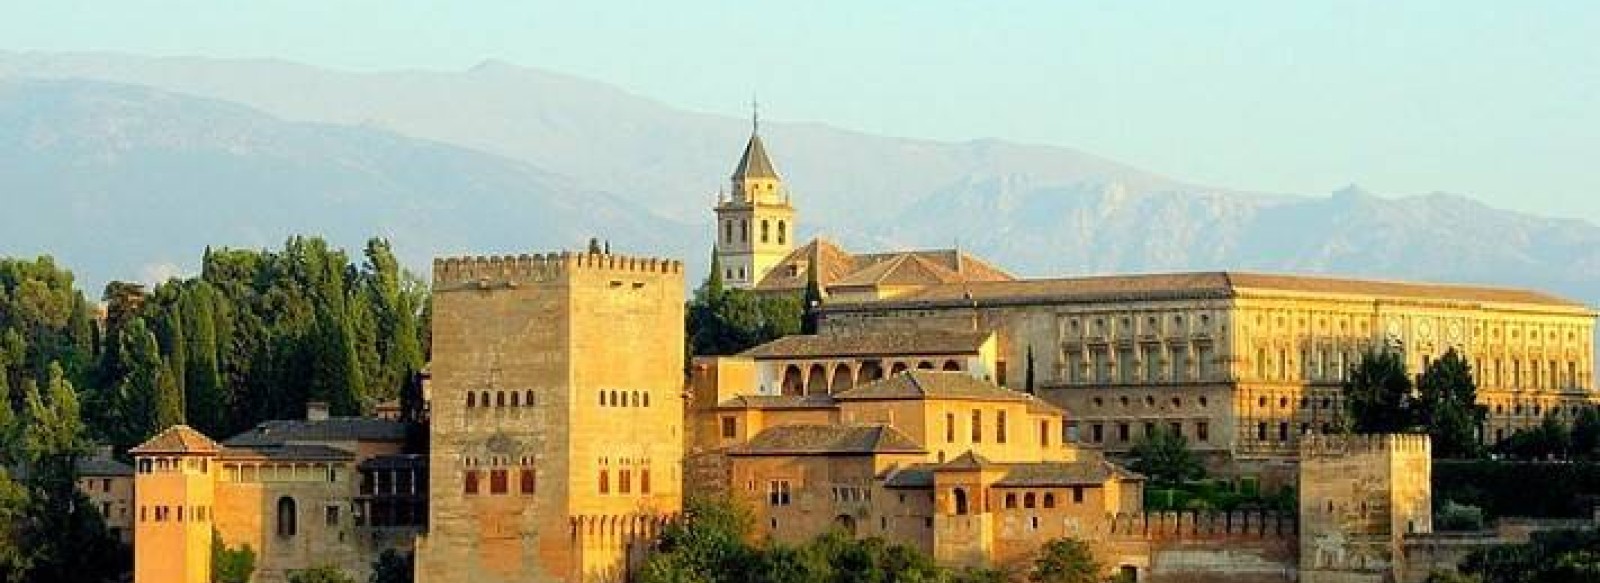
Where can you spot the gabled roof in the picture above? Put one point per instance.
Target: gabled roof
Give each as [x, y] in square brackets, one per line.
[826, 439]
[838, 267]
[754, 163]
[279, 432]
[970, 460]
[912, 476]
[177, 439]
[927, 384]
[871, 344]
[778, 402]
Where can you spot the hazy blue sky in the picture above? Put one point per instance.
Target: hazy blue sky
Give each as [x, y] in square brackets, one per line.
[1500, 99]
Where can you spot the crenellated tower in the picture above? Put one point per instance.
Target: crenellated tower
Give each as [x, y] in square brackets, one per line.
[755, 220]
[557, 413]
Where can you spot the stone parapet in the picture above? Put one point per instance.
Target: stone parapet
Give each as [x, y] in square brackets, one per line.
[509, 270]
[1201, 525]
[1328, 446]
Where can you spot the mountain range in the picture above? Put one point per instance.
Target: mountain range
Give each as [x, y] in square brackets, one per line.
[124, 167]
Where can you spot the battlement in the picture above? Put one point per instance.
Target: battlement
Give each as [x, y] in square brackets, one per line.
[1192, 525]
[495, 271]
[1325, 446]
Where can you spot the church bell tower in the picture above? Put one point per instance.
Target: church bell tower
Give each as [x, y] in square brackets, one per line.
[755, 222]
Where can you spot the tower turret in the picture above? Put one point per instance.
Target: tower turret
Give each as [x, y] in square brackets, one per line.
[174, 490]
[755, 222]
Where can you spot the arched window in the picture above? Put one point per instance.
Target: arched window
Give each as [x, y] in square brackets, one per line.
[1049, 500]
[783, 232]
[951, 365]
[516, 399]
[727, 232]
[764, 228]
[1028, 500]
[841, 379]
[635, 398]
[817, 381]
[793, 381]
[960, 496]
[898, 368]
[287, 525]
[499, 398]
[925, 365]
[870, 371]
[528, 398]
[472, 399]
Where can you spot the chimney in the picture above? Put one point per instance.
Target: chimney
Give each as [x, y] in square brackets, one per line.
[316, 411]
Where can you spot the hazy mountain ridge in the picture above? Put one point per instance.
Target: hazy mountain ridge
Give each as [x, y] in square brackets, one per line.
[117, 181]
[509, 145]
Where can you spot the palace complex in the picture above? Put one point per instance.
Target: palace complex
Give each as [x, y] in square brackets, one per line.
[944, 403]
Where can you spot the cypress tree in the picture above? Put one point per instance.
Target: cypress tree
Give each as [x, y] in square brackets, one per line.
[812, 300]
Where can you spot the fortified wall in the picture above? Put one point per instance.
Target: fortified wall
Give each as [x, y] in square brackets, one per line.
[1203, 547]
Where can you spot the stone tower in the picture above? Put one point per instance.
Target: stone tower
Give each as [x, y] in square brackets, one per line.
[175, 480]
[1360, 495]
[557, 415]
[755, 223]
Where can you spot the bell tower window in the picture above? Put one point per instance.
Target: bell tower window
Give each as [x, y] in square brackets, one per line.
[782, 232]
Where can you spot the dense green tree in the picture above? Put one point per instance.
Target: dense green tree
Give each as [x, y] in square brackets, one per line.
[1586, 434]
[811, 302]
[1551, 439]
[1378, 394]
[205, 395]
[1165, 458]
[1449, 577]
[231, 565]
[1065, 560]
[1447, 405]
[320, 574]
[393, 567]
[1027, 381]
[727, 321]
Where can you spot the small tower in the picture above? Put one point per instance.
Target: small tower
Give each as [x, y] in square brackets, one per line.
[174, 492]
[755, 222]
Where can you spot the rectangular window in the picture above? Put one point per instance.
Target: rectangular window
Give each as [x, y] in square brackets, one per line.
[730, 427]
[1098, 432]
[1077, 494]
[1000, 427]
[644, 481]
[498, 484]
[1202, 431]
[1261, 431]
[1283, 431]
[331, 515]
[471, 482]
[526, 479]
[1044, 433]
[977, 426]
[1176, 428]
[625, 481]
[1149, 429]
[950, 427]
[1122, 432]
[778, 493]
[1000, 372]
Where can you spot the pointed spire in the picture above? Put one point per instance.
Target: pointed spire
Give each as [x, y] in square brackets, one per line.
[754, 163]
[755, 116]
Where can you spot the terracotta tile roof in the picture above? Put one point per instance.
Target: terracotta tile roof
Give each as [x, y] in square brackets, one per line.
[836, 266]
[927, 384]
[778, 402]
[1202, 285]
[870, 344]
[332, 429]
[1044, 474]
[177, 439]
[820, 439]
[401, 461]
[288, 452]
[970, 460]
